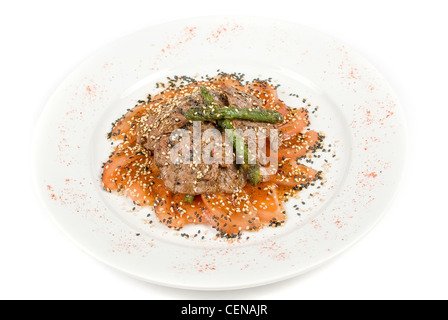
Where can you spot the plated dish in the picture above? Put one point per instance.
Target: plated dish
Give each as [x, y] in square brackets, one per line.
[112, 171]
[201, 187]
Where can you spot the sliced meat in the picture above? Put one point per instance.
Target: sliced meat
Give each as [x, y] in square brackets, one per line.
[167, 117]
[241, 99]
[190, 178]
[196, 177]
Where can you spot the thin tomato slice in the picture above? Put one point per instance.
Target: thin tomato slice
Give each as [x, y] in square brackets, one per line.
[165, 207]
[279, 106]
[193, 212]
[263, 90]
[112, 172]
[117, 170]
[230, 213]
[123, 125]
[141, 191]
[265, 199]
[229, 81]
[294, 175]
[295, 125]
[298, 146]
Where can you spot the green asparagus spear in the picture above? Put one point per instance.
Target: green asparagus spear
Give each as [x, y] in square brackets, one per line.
[252, 170]
[209, 101]
[189, 198]
[217, 113]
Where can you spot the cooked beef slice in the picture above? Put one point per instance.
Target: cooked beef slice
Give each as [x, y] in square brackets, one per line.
[167, 117]
[190, 178]
[200, 178]
[241, 99]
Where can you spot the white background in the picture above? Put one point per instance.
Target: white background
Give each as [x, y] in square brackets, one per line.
[404, 257]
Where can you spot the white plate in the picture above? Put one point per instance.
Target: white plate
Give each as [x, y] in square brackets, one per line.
[358, 112]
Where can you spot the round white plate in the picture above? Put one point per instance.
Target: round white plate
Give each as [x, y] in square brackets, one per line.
[362, 161]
